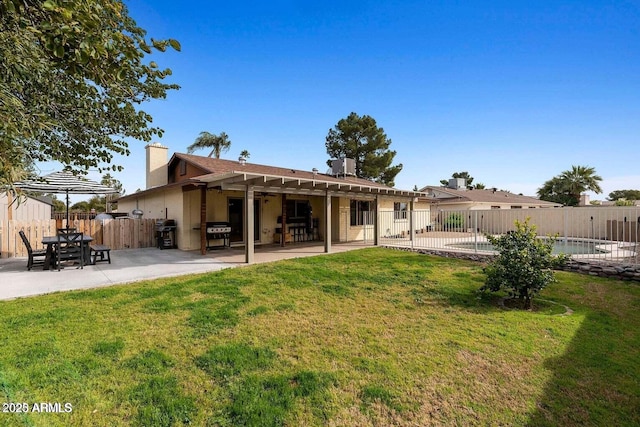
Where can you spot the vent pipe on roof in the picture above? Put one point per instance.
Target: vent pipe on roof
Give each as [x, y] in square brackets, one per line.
[242, 160]
[315, 171]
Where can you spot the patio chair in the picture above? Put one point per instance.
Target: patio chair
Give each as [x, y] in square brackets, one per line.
[66, 230]
[36, 257]
[71, 247]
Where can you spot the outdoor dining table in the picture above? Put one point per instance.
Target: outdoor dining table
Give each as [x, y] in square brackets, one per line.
[52, 241]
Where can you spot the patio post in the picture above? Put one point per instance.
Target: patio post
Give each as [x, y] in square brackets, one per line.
[283, 215]
[327, 222]
[412, 232]
[203, 220]
[248, 224]
[376, 213]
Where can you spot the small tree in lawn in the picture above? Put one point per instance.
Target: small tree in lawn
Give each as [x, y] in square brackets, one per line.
[524, 264]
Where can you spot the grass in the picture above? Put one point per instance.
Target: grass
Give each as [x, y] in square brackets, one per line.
[370, 337]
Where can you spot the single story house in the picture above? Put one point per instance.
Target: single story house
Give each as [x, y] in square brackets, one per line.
[255, 200]
[456, 196]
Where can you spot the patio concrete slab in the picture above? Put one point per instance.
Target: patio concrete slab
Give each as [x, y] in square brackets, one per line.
[128, 265]
[132, 265]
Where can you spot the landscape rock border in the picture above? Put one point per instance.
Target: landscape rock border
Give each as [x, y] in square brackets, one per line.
[627, 272]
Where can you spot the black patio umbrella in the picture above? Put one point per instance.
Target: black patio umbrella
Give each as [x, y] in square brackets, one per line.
[64, 182]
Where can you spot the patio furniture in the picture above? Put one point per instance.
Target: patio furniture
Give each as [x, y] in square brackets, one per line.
[36, 257]
[66, 230]
[100, 250]
[71, 247]
[51, 242]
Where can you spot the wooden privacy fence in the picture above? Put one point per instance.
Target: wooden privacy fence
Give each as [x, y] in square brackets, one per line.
[124, 233]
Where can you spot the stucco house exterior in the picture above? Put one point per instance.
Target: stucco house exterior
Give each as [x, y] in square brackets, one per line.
[254, 199]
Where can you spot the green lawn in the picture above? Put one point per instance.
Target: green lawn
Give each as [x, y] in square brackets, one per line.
[370, 337]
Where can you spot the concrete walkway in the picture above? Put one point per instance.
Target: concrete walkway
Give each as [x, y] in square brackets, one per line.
[132, 265]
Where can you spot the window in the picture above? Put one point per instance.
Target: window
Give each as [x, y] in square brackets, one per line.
[361, 212]
[298, 208]
[399, 210]
[516, 207]
[183, 167]
[495, 207]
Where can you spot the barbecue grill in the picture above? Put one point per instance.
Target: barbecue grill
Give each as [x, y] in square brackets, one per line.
[218, 230]
[166, 234]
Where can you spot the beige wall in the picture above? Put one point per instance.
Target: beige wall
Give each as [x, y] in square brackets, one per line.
[582, 222]
[340, 222]
[28, 209]
[389, 225]
[346, 232]
[157, 157]
[160, 204]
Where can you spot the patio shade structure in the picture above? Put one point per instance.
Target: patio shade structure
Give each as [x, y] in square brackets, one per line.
[64, 182]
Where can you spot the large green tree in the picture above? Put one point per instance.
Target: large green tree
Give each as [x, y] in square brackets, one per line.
[567, 187]
[360, 138]
[218, 143]
[73, 74]
[112, 182]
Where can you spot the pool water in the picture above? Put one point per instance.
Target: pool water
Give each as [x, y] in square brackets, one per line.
[560, 247]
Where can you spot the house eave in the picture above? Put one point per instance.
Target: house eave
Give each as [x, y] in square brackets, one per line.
[237, 180]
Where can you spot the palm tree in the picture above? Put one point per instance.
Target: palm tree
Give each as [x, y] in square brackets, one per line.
[580, 179]
[244, 154]
[567, 187]
[219, 143]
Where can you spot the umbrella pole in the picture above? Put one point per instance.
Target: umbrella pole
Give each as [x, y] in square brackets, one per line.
[67, 192]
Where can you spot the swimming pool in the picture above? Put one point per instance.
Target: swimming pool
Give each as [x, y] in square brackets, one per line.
[570, 247]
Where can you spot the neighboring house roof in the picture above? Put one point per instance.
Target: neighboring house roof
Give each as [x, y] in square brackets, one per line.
[486, 196]
[610, 203]
[44, 199]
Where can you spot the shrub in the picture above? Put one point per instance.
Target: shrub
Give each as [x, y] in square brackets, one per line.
[524, 264]
[454, 221]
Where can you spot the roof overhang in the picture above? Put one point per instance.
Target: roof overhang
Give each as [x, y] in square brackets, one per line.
[287, 184]
[160, 188]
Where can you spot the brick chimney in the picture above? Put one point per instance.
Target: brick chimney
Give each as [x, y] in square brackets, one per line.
[157, 162]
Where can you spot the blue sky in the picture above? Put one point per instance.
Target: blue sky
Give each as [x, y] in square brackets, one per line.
[515, 92]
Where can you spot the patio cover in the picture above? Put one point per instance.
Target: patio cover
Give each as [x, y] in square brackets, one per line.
[276, 183]
[320, 185]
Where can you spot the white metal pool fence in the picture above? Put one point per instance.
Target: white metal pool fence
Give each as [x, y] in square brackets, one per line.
[588, 233]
